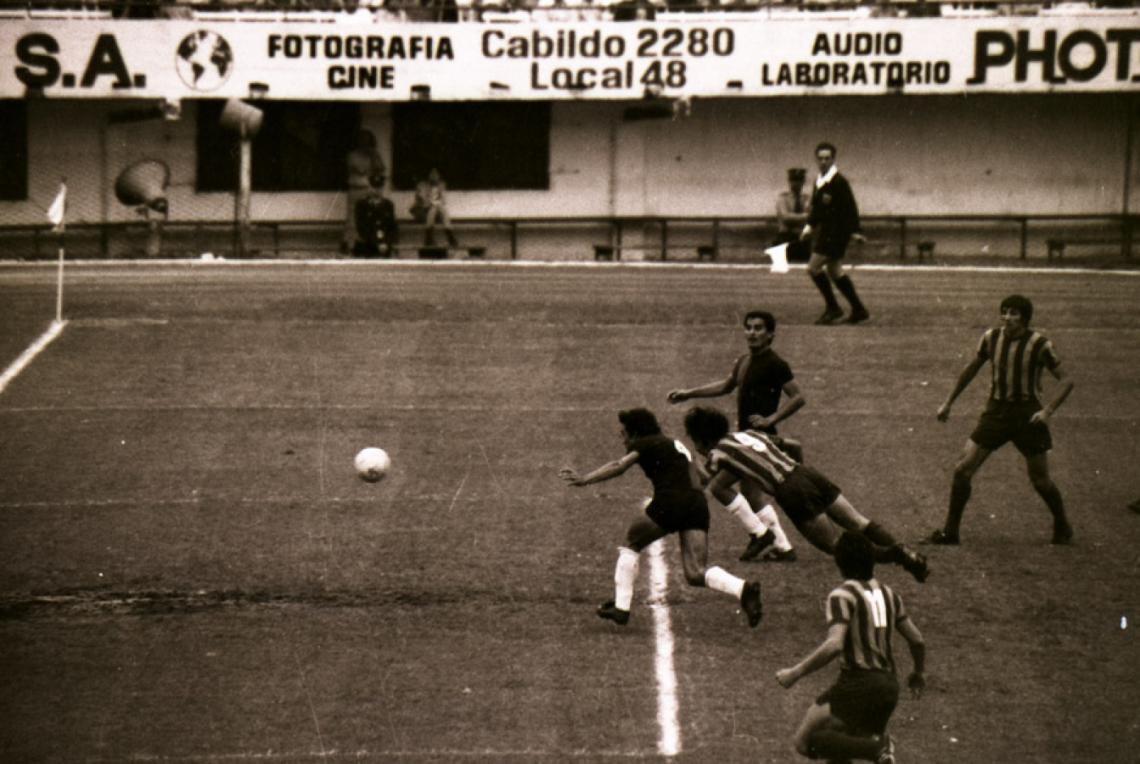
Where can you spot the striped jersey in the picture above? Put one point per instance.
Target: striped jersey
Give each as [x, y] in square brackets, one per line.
[752, 455]
[1016, 364]
[871, 611]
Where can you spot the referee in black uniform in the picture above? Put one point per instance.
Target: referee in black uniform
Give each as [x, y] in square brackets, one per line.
[833, 221]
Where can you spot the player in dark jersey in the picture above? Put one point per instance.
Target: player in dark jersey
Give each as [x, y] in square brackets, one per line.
[814, 504]
[849, 720]
[768, 394]
[1018, 356]
[678, 506]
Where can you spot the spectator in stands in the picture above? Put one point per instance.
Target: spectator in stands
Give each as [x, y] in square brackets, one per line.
[431, 206]
[833, 221]
[366, 174]
[792, 213]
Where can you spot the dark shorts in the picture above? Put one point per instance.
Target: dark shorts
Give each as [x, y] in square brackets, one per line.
[679, 511]
[805, 494]
[1001, 423]
[831, 247]
[863, 700]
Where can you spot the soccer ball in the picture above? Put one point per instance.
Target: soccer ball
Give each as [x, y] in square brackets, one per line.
[372, 464]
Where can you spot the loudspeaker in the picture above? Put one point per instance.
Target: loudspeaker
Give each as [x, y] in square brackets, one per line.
[239, 116]
[143, 184]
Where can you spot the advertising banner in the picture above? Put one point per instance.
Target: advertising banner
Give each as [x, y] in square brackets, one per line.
[555, 61]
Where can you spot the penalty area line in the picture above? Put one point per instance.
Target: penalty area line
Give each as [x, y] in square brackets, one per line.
[669, 732]
[30, 353]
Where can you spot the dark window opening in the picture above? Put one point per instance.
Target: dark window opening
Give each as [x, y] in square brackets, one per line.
[301, 146]
[13, 151]
[475, 146]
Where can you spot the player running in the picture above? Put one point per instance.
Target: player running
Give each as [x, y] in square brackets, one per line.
[813, 503]
[678, 506]
[767, 394]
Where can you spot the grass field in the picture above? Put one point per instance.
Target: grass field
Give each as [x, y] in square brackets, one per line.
[190, 570]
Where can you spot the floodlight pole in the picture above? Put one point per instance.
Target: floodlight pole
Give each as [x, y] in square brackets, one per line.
[242, 200]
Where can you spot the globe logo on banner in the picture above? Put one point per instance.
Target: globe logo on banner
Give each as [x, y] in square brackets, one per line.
[204, 60]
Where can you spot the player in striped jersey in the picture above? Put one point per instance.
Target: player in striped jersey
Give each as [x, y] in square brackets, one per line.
[767, 394]
[1018, 356]
[849, 720]
[678, 506]
[814, 504]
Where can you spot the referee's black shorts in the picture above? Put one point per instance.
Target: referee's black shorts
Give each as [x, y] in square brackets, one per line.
[863, 700]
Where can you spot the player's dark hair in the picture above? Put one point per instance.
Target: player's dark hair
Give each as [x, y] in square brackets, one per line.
[639, 422]
[825, 146]
[1021, 304]
[855, 556]
[705, 424]
[768, 319]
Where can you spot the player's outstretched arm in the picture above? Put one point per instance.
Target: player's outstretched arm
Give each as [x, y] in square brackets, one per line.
[829, 650]
[605, 472]
[710, 390]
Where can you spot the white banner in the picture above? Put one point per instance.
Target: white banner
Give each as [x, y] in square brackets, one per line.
[604, 60]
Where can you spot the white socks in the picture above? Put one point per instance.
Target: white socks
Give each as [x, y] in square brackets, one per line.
[742, 511]
[625, 573]
[721, 580]
[768, 517]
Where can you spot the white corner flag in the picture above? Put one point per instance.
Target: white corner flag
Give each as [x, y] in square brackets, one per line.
[779, 255]
[58, 207]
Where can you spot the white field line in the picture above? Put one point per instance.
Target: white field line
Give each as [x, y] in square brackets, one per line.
[623, 264]
[669, 732]
[819, 411]
[32, 351]
[481, 754]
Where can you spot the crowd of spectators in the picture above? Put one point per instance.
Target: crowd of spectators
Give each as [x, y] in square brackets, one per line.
[547, 10]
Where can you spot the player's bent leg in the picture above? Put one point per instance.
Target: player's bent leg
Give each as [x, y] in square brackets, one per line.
[818, 716]
[1038, 468]
[887, 547]
[694, 558]
[816, 270]
[642, 532]
[762, 504]
[845, 515]
[821, 532]
[973, 456]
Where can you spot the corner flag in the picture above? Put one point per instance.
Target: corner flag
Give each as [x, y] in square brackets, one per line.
[55, 213]
[779, 255]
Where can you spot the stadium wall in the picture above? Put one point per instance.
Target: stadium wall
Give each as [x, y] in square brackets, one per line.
[938, 155]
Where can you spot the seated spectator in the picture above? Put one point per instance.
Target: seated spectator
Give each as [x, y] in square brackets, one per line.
[430, 207]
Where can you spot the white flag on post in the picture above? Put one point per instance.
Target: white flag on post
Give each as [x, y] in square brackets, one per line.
[56, 211]
[779, 255]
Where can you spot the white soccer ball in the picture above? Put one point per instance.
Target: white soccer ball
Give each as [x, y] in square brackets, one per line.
[372, 464]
